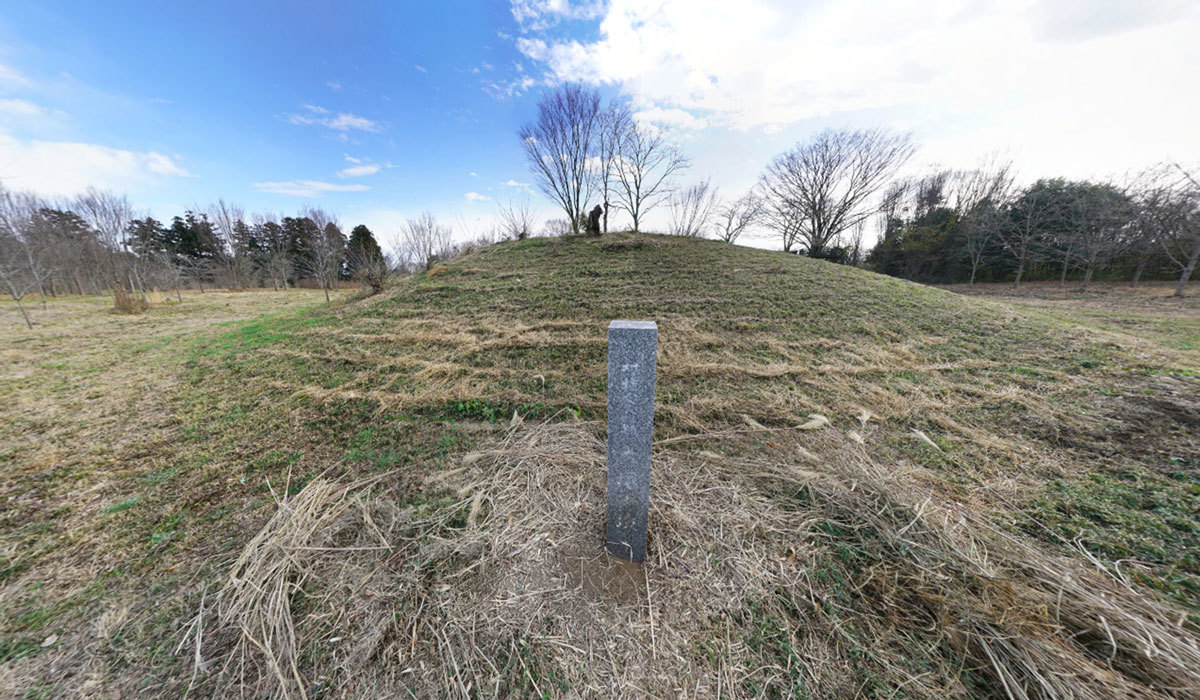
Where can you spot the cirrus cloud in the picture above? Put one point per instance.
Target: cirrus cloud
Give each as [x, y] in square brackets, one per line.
[343, 122]
[306, 188]
[20, 108]
[9, 75]
[359, 170]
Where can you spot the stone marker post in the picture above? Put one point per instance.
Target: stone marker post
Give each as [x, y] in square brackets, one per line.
[632, 355]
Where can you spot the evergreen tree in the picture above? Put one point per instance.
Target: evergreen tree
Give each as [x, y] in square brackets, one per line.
[301, 235]
[147, 238]
[363, 249]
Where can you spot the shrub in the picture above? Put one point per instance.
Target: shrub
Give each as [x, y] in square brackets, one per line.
[126, 303]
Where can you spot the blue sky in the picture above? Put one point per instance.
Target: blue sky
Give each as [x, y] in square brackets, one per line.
[377, 111]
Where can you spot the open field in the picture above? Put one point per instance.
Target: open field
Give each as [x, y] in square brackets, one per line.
[861, 487]
[1147, 308]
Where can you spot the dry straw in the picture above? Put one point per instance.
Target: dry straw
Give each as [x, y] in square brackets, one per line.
[815, 574]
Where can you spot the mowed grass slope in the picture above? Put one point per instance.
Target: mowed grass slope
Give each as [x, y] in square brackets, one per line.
[862, 487]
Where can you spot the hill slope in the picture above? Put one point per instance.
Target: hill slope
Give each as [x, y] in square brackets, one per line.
[861, 487]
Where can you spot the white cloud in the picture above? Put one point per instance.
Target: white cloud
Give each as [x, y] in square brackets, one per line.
[333, 85]
[513, 183]
[476, 197]
[423, 69]
[359, 170]
[473, 174]
[160, 164]
[20, 108]
[1090, 83]
[340, 122]
[536, 15]
[8, 75]
[68, 167]
[673, 117]
[352, 159]
[306, 188]
[346, 122]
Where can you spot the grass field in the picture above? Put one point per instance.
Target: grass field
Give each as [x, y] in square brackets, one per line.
[862, 487]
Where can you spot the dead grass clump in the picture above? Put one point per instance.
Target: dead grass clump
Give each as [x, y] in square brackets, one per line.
[437, 270]
[127, 303]
[823, 575]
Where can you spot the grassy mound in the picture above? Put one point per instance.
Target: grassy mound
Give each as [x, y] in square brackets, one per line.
[861, 487]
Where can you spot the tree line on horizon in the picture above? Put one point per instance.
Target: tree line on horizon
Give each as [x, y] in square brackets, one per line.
[95, 243]
[818, 198]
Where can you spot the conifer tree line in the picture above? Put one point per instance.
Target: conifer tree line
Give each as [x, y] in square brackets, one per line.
[94, 242]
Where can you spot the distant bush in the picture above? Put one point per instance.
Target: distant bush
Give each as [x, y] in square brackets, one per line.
[126, 303]
[557, 227]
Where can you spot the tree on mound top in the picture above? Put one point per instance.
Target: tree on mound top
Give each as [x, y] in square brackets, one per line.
[560, 145]
[821, 187]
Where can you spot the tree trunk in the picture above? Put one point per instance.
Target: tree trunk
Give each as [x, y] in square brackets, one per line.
[974, 268]
[1087, 277]
[1062, 279]
[605, 214]
[1137, 274]
[1020, 271]
[326, 286]
[25, 313]
[1181, 285]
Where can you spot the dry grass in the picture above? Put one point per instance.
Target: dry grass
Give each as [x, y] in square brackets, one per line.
[128, 302]
[88, 433]
[998, 499]
[507, 590]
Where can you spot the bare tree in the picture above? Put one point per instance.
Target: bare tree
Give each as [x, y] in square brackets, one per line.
[979, 198]
[327, 256]
[1030, 216]
[516, 219]
[855, 255]
[1152, 199]
[560, 144]
[108, 214]
[320, 217]
[228, 220]
[615, 122]
[692, 209]
[162, 271]
[556, 227]
[195, 269]
[784, 219]
[735, 217]
[644, 168]
[1098, 216]
[13, 273]
[27, 247]
[1177, 220]
[827, 181]
[424, 240]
